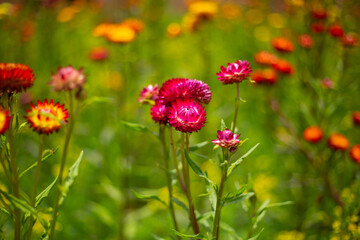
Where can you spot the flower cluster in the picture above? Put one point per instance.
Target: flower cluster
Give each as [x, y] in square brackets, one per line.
[67, 78]
[179, 103]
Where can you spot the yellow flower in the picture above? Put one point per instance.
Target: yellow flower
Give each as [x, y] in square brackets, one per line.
[263, 186]
[290, 235]
[203, 9]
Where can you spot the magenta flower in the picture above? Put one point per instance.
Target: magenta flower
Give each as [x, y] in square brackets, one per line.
[186, 115]
[227, 139]
[159, 113]
[234, 72]
[183, 88]
[67, 78]
[149, 93]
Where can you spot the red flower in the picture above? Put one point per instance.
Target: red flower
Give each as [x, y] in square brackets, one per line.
[264, 58]
[47, 117]
[67, 78]
[15, 77]
[349, 40]
[282, 44]
[313, 134]
[4, 120]
[283, 66]
[338, 142]
[159, 113]
[355, 153]
[318, 27]
[306, 41]
[234, 72]
[186, 115]
[356, 118]
[149, 93]
[319, 14]
[183, 88]
[336, 30]
[99, 54]
[227, 139]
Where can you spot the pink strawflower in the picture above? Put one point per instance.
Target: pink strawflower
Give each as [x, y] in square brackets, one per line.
[227, 139]
[234, 72]
[183, 88]
[149, 93]
[67, 78]
[159, 113]
[186, 115]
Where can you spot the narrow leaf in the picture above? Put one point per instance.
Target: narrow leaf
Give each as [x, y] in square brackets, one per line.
[198, 146]
[181, 204]
[237, 162]
[256, 236]
[73, 173]
[135, 126]
[237, 198]
[46, 155]
[148, 197]
[44, 193]
[24, 207]
[199, 236]
[223, 125]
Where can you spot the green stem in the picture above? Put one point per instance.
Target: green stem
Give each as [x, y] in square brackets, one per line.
[236, 106]
[62, 166]
[15, 182]
[192, 215]
[216, 223]
[173, 151]
[6, 170]
[168, 176]
[36, 180]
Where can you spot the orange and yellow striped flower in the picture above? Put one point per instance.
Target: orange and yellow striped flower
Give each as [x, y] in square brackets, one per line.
[47, 117]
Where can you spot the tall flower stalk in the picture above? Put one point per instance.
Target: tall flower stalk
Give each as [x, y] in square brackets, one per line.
[162, 135]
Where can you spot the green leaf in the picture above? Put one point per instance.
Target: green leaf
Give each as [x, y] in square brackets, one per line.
[280, 204]
[198, 146]
[135, 126]
[73, 173]
[196, 168]
[257, 235]
[236, 198]
[44, 193]
[148, 197]
[199, 236]
[97, 99]
[4, 216]
[157, 237]
[237, 162]
[24, 207]
[180, 204]
[46, 155]
[227, 228]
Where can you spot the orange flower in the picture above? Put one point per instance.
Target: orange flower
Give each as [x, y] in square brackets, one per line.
[356, 118]
[282, 44]
[136, 24]
[338, 142]
[355, 153]
[203, 9]
[264, 58]
[46, 117]
[174, 30]
[15, 77]
[283, 66]
[265, 76]
[4, 120]
[313, 134]
[119, 33]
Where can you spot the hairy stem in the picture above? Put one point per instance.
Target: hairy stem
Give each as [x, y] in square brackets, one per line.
[168, 176]
[236, 106]
[36, 179]
[173, 151]
[62, 167]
